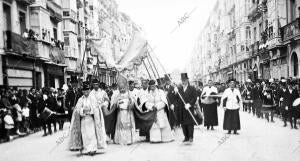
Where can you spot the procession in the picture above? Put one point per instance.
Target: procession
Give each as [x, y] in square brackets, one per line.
[149, 80]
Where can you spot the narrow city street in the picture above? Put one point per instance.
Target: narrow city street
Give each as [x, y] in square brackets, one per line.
[258, 140]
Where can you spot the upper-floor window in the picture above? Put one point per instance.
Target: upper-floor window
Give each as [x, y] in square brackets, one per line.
[6, 18]
[292, 10]
[66, 13]
[248, 33]
[254, 34]
[55, 33]
[22, 20]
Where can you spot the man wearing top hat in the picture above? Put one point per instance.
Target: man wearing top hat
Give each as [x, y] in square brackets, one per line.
[189, 95]
[72, 96]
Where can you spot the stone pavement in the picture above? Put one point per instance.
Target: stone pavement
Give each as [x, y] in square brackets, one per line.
[258, 141]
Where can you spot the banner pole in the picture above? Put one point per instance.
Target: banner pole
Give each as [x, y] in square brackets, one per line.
[178, 91]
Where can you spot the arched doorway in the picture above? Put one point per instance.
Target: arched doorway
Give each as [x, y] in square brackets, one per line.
[294, 65]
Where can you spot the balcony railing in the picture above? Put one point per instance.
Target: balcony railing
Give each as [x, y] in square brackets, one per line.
[55, 10]
[257, 9]
[254, 48]
[16, 43]
[26, 2]
[57, 55]
[69, 13]
[290, 30]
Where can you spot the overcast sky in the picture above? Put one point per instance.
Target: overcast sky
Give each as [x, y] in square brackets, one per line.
[159, 19]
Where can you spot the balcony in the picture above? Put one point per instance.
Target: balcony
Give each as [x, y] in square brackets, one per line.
[55, 10]
[254, 49]
[16, 44]
[25, 2]
[265, 56]
[231, 35]
[57, 55]
[70, 14]
[256, 10]
[291, 30]
[79, 3]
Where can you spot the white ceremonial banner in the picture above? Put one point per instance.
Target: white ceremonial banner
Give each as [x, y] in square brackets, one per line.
[136, 51]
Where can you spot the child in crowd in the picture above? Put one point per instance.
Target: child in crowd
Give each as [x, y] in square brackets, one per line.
[9, 124]
[26, 121]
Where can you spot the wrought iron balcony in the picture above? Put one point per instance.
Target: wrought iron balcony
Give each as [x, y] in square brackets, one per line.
[57, 55]
[26, 2]
[291, 30]
[55, 10]
[17, 44]
[257, 9]
[70, 14]
[254, 48]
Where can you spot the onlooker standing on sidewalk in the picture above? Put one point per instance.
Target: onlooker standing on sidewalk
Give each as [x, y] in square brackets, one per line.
[33, 109]
[42, 104]
[61, 107]
[9, 124]
[26, 120]
[53, 106]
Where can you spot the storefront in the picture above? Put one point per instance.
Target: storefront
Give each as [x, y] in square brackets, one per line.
[54, 75]
[18, 71]
[265, 64]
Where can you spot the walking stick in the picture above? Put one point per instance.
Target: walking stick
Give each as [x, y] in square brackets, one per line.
[177, 92]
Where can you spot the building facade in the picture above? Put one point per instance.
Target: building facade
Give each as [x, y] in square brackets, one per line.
[45, 42]
[256, 39]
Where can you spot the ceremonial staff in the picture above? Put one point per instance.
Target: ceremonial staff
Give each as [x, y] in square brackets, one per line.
[177, 92]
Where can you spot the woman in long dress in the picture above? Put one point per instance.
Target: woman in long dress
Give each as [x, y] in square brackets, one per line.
[87, 125]
[231, 101]
[124, 102]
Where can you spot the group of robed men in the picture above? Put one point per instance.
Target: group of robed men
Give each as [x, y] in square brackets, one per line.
[153, 110]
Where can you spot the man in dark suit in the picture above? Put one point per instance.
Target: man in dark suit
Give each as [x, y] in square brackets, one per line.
[53, 106]
[33, 109]
[72, 96]
[173, 99]
[189, 95]
[42, 104]
[288, 96]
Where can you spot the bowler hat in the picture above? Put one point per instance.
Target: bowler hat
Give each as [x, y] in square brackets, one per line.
[73, 79]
